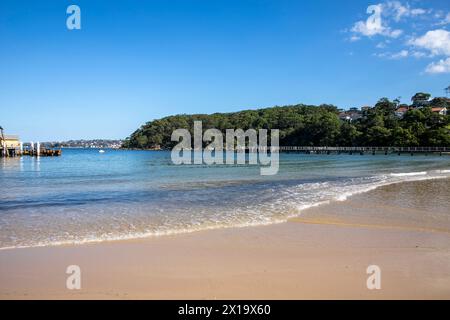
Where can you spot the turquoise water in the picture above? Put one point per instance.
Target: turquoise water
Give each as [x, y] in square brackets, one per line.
[86, 196]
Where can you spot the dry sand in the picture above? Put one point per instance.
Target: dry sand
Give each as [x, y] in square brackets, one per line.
[321, 255]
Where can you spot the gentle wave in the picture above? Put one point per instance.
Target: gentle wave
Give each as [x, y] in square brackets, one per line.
[409, 174]
[318, 193]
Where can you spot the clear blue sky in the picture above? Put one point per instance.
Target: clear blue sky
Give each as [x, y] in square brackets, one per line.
[134, 61]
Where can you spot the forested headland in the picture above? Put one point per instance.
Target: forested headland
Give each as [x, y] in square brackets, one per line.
[424, 122]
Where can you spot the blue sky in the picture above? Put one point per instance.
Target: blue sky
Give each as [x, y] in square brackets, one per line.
[134, 61]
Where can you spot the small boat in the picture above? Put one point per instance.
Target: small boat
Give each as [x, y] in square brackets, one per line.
[101, 151]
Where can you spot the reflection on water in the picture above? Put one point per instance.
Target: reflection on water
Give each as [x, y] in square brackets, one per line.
[87, 196]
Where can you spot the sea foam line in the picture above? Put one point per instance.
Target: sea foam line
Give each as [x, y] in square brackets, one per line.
[407, 177]
[409, 174]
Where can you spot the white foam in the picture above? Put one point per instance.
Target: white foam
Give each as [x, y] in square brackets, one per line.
[322, 193]
[409, 174]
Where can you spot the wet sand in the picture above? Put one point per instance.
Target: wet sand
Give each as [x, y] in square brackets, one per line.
[403, 228]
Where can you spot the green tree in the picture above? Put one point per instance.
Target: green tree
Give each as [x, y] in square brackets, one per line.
[315, 125]
[349, 135]
[420, 99]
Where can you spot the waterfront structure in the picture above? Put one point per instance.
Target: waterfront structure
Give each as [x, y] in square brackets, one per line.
[10, 145]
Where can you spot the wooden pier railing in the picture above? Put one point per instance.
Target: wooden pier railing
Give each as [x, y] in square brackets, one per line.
[42, 153]
[355, 150]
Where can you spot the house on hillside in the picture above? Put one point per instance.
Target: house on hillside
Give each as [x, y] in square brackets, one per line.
[441, 111]
[401, 110]
[350, 115]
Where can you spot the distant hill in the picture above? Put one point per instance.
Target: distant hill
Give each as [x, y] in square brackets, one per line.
[423, 123]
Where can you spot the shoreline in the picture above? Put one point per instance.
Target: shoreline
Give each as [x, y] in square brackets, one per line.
[137, 237]
[293, 260]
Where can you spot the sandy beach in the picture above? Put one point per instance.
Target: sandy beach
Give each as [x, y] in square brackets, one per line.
[225, 150]
[323, 254]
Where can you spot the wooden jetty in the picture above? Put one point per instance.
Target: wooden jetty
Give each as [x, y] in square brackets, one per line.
[355, 150]
[11, 146]
[42, 153]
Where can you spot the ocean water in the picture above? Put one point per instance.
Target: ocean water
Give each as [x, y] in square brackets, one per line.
[87, 196]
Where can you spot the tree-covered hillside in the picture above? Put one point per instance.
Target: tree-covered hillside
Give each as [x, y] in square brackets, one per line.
[420, 124]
